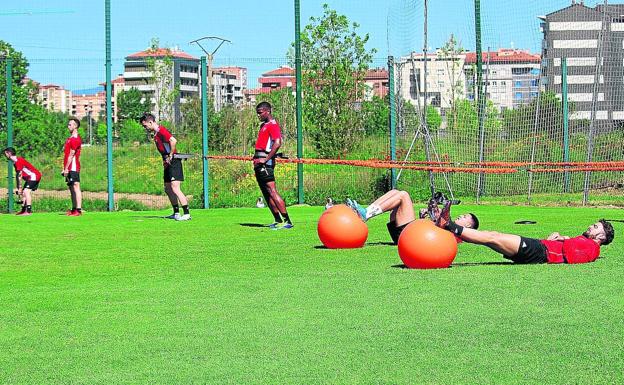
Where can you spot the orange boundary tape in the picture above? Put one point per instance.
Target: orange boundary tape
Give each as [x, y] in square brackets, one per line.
[467, 167]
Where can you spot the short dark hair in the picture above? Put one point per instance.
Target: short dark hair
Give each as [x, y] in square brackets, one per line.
[10, 150]
[475, 220]
[609, 232]
[147, 117]
[266, 105]
[76, 120]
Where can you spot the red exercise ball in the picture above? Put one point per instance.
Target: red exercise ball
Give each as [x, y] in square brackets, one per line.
[341, 228]
[422, 245]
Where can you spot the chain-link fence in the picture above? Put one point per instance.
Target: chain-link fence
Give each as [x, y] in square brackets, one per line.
[452, 105]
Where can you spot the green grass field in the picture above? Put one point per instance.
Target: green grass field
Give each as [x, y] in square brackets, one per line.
[129, 298]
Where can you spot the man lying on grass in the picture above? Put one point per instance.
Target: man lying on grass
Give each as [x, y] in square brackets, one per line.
[554, 249]
[402, 213]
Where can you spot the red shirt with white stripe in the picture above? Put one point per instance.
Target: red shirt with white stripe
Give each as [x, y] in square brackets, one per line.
[29, 172]
[574, 250]
[269, 132]
[161, 138]
[72, 143]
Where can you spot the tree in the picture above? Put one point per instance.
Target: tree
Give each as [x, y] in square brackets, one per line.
[166, 90]
[23, 92]
[130, 105]
[375, 115]
[335, 60]
[36, 129]
[434, 120]
[450, 53]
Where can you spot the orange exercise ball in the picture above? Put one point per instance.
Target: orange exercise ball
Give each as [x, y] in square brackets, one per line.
[341, 228]
[422, 245]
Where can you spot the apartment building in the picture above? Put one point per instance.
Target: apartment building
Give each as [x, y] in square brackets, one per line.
[510, 77]
[592, 42]
[184, 72]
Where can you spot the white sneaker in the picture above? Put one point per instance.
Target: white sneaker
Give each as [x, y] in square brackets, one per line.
[185, 217]
[175, 216]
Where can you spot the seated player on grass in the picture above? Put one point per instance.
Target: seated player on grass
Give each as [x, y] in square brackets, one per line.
[402, 213]
[554, 249]
[31, 176]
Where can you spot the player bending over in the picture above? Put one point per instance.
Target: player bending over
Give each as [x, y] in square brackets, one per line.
[31, 177]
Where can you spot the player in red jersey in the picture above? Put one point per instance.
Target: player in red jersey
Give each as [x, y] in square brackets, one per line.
[173, 172]
[554, 249]
[268, 142]
[402, 213]
[71, 166]
[31, 176]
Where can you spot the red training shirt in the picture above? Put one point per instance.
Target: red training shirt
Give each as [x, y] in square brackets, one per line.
[268, 134]
[28, 171]
[574, 250]
[72, 143]
[161, 138]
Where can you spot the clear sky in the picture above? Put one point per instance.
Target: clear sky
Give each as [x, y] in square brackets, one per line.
[64, 39]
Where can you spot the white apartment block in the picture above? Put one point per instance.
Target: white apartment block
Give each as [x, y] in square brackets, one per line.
[445, 79]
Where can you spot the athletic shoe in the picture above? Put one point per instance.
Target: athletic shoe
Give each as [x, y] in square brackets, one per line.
[274, 225]
[175, 216]
[185, 217]
[284, 226]
[445, 215]
[69, 212]
[359, 210]
[23, 213]
[76, 214]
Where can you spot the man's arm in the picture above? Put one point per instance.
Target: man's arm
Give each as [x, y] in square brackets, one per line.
[557, 237]
[172, 145]
[276, 146]
[70, 158]
[18, 177]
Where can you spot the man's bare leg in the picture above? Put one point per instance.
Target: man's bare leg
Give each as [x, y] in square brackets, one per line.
[506, 244]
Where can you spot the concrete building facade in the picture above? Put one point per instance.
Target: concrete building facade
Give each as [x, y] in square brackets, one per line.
[592, 41]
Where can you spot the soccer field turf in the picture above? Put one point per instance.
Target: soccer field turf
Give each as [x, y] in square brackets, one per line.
[129, 298]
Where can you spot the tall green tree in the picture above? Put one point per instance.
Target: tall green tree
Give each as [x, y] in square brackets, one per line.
[335, 61]
[166, 90]
[23, 91]
[130, 105]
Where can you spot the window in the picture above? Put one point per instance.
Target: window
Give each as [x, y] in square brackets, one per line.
[518, 84]
[534, 83]
[518, 95]
[520, 71]
[534, 94]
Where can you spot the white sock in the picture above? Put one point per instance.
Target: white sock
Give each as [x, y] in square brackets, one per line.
[373, 210]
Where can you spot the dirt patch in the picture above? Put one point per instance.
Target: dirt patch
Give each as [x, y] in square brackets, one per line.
[151, 201]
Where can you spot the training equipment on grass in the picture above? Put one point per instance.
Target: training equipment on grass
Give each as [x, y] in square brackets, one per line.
[340, 228]
[422, 245]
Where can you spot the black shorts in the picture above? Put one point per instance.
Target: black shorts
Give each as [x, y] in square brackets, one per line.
[531, 251]
[395, 231]
[72, 177]
[32, 185]
[264, 173]
[174, 171]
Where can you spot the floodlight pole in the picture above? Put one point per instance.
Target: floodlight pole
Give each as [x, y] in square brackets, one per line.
[9, 108]
[109, 110]
[210, 55]
[299, 101]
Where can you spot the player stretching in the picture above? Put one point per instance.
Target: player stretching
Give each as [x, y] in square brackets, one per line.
[31, 177]
[173, 173]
